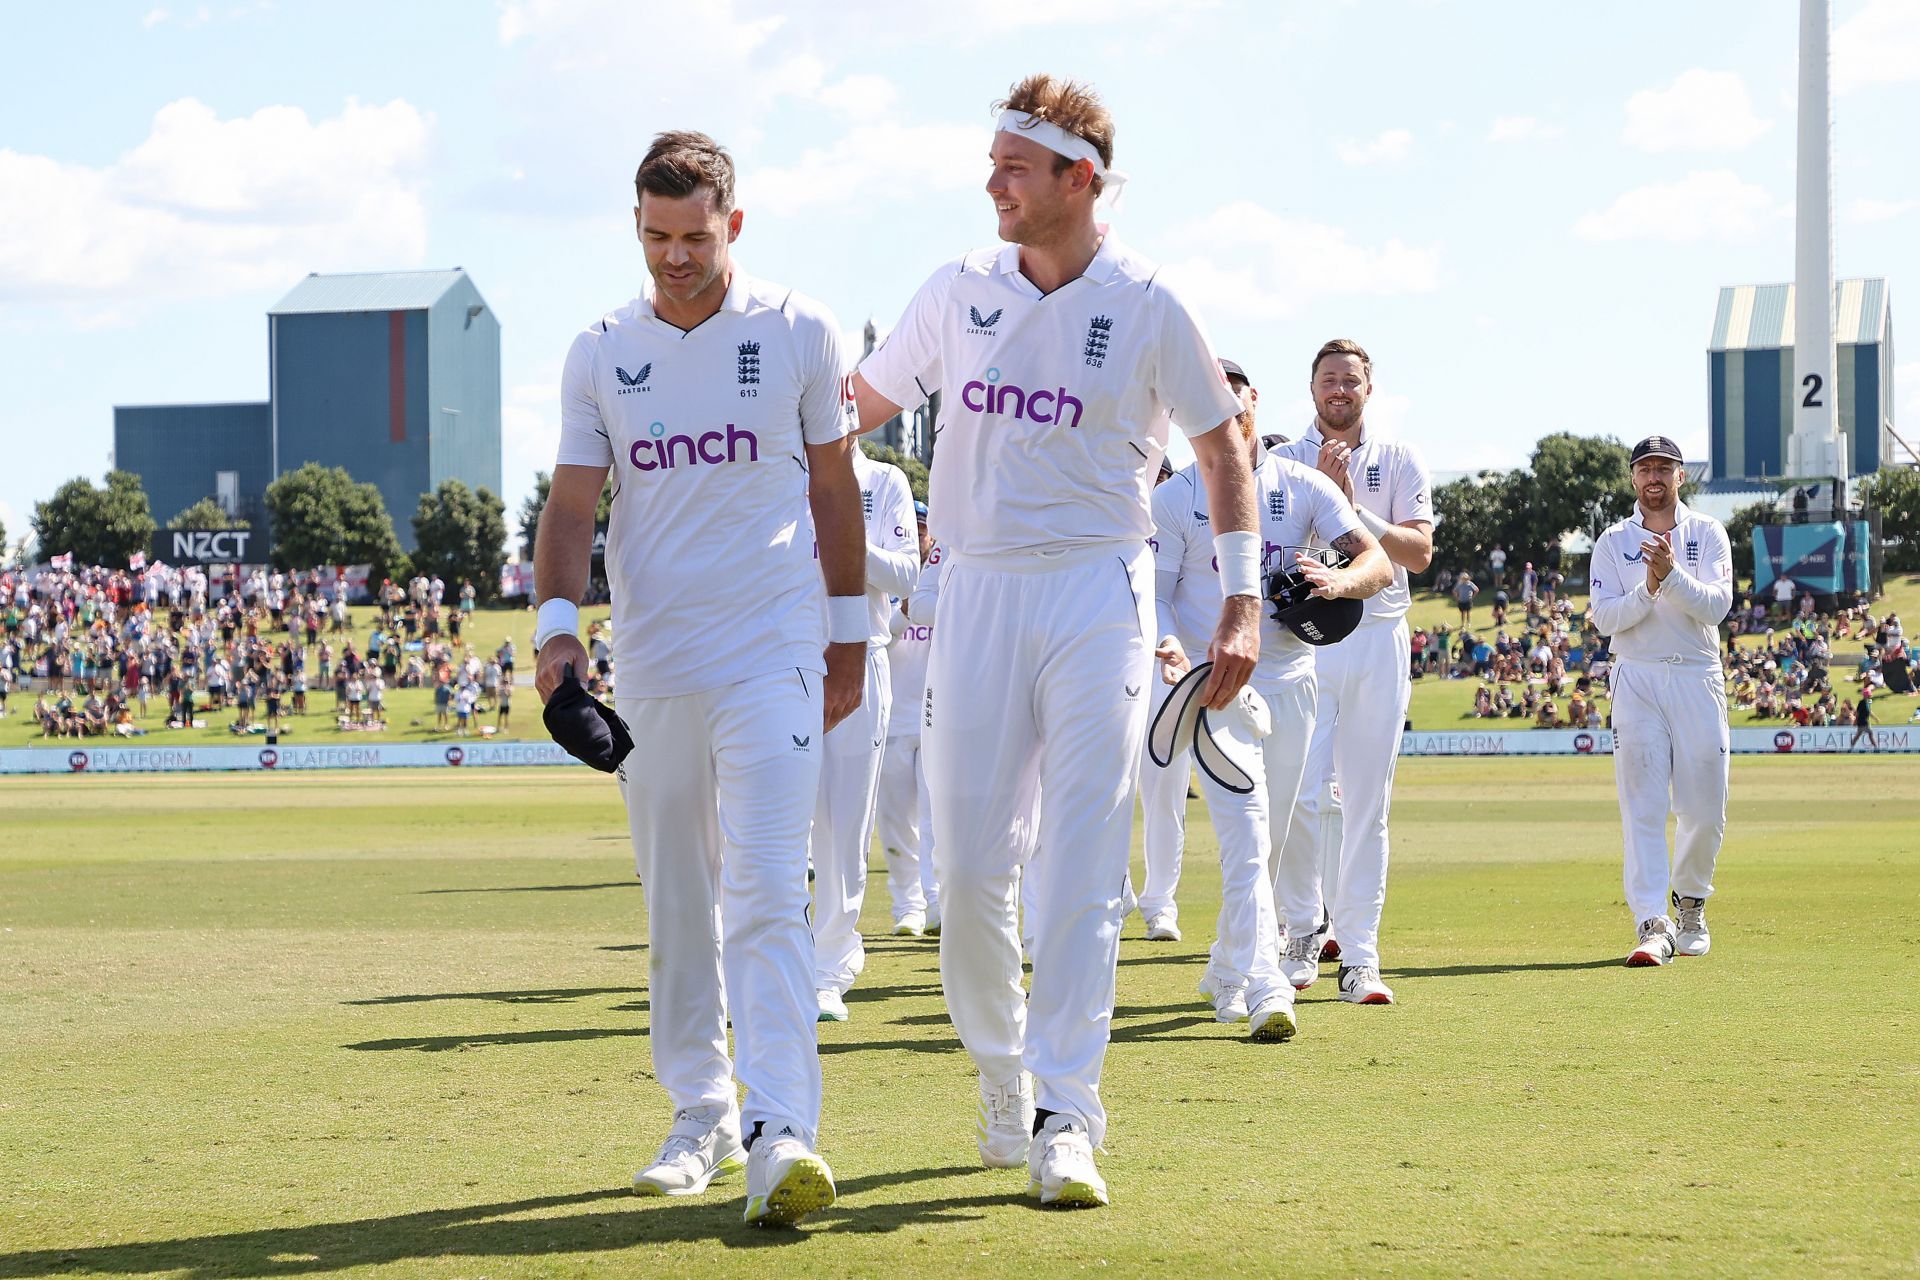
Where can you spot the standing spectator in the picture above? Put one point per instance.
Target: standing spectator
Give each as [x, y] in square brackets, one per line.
[1529, 586]
[1464, 590]
[505, 707]
[463, 703]
[467, 595]
[1500, 602]
[1863, 720]
[1497, 562]
[442, 701]
[356, 695]
[377, 699]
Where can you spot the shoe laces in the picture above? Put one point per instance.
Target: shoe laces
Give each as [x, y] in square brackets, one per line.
[1305, 946]
[1657, 925]
[1693, 919]
[1226, 993]
[1002, 1105]
[690, 1130]
[1362, 975]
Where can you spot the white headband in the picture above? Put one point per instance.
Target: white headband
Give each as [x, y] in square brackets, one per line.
[1060, 142]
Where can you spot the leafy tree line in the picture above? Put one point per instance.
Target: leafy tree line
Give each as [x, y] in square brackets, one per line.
[1570, 483]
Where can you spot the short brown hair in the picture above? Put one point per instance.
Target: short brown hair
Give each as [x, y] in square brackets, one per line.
[1341, 347]
[1072, 106]
[680, 162]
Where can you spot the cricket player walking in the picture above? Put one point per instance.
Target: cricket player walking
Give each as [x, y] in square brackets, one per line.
[1662, 583]
[719, 400]
[906, 827]
[1064, 356]
[850, 774]
[1364, 686]
[1299, 508]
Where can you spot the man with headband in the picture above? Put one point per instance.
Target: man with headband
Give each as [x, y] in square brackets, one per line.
[1063, 356]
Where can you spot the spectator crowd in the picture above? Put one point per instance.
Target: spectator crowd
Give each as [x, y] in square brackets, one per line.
[107, 652]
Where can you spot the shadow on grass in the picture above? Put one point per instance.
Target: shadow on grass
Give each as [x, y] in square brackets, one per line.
[606, 1220]
[541, 888]
[443, 1044]
[1473, 970]
[550, 995]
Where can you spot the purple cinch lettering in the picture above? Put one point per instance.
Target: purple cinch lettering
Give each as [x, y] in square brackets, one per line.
[1020, 400]
[1033, 403]
[713, 437]
[1063, 401]
[671, 443]
[968, 390]
[734, 437]
[634, 456]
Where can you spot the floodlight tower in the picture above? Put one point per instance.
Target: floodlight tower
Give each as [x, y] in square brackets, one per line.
[1815, 450]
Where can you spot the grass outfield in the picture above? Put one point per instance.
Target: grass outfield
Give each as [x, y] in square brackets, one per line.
[396, 1025]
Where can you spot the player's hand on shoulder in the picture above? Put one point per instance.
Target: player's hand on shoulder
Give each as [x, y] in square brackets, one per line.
[846, 680]
[556, 655]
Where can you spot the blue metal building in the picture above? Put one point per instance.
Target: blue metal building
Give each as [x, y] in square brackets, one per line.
[394, 376]
[1750, 375]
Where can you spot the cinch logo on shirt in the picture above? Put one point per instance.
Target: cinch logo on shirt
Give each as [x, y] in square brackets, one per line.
[664, 452]
[1017, 402]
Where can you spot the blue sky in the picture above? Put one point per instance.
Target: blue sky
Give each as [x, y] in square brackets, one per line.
[1522, 209]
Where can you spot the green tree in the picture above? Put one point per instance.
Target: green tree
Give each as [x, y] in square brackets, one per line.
[535, 503]
[321, 516]
[1895, 491]
[1580, 483]
[916, 470]
[206, 514]
[1740, 528]
[461, 533]
[1476, 514]
[99, 526]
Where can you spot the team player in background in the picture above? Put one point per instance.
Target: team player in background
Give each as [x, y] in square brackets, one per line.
[718, 400]
[1364, 685]
[1662, 582]
[906, 828]
[1063, 355]
[1298, 508]
[850, 773]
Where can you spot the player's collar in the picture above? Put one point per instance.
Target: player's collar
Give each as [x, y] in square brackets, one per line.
[735, 299]
[1106, 259]
[1681, 513]
[1314, 438]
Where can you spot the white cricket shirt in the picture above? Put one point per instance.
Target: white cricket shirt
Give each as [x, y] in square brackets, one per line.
[710, 542]
[907, 664]
[1390, 479]
[893, 541]
[1056, 407]
[1682, 621]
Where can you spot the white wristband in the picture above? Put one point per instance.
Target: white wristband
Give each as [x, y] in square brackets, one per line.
[555, 618]
[1239, 556]
[1374, 524]
[847, 620]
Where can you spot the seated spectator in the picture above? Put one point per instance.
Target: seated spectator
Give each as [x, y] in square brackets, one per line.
[1483, 702]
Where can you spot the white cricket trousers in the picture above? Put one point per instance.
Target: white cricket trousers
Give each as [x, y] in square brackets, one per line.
[719, 795]
[843, 830]
[1361, 710]
[906, 834]
[1246, 948]
[1670, 741]
[1163, 826]
[1038, 679]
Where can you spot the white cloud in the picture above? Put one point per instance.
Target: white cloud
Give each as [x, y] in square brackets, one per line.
[871, 161]
[1700, 111]
[206, 206]
[1522, 129]
[1390, 147]
[860, 95]
[1878, 45]
[1705, 204]
[1906, 374]
[1262, 265]
[154, 18]
[1880, 210]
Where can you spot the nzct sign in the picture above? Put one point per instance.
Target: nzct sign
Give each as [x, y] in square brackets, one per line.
[203, 546]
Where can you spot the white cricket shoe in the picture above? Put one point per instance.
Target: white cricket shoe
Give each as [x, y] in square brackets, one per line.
[704, 1144]
[911, 925]
[833, 1007]
[785, 1180]
[1656, 944]
[1360, 984]
[1060, 1169]
[1272, 1020]
[1162, 928]
[1300, 962]
[1229, 1001]
[1693, 939]
[932, 926]
[1005, 1130]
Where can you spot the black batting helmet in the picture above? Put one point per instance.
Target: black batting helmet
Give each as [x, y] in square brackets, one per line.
[1315, 619]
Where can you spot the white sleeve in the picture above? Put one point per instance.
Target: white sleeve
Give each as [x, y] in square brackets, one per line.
[1707, 594]
[906, 366]
[584, 439]
[925, 600]
[1618, 598]
[1186, 375]
[893, 559]
[826, 403]
[1169, 543]
[1412, 487]
[1329, 512]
